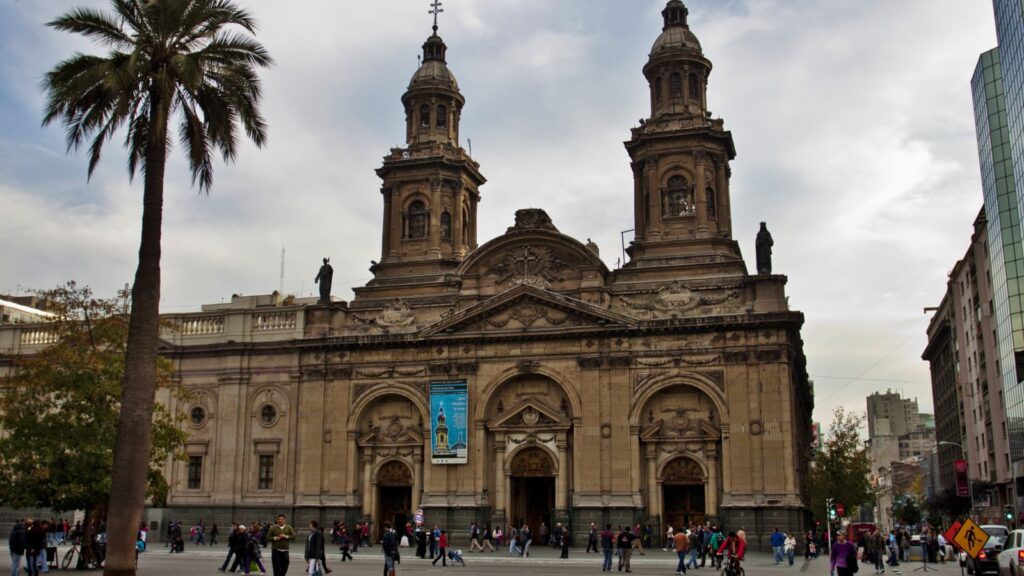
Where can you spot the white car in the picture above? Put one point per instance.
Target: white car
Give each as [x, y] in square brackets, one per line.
[1011, 559]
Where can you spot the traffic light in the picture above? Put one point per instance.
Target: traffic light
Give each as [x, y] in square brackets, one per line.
[1008, 512]
[832, 512]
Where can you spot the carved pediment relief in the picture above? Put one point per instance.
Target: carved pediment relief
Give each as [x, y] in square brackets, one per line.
[680, 413]
[532, 265]
[391, 421]
[532, 414]
[528, 308]
[676, 299]
[395, 315]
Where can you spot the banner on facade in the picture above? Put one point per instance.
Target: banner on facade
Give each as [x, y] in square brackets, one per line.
[962, 484]
[449, 402]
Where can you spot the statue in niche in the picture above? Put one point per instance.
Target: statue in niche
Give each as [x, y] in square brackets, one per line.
[763, 245]
[324, 278]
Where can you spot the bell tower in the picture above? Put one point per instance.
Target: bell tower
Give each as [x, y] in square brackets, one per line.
[680, 158]
[431, 186]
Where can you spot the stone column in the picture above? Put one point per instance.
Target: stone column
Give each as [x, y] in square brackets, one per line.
[653, 496]
[654, 194]
[417, 480]
[458, 248]
[700, 196]
[385, 248]
[724, 211]
[435, 218]
[396, 223]
[562, 480]
[369, 485]
[713, 483]
[500, 481]
[638, 201]
[635, 456]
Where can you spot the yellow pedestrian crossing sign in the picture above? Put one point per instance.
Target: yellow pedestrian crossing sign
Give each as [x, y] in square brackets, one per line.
[971, 538]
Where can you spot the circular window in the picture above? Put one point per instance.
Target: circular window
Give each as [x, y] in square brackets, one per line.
[198, 416]
[268, 414]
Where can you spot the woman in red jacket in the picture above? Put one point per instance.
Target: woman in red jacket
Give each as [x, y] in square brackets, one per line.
[442, 545]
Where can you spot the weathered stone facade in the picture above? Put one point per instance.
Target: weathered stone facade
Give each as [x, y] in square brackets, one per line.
[671, 391]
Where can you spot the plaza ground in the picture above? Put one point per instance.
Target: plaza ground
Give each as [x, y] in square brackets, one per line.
[542, 561]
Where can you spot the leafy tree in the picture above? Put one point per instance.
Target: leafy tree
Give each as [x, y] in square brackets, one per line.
[906, 509]
[841, 469]
[59, 411]
[190, 60]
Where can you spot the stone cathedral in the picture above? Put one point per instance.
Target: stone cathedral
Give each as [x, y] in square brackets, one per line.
[518, 379]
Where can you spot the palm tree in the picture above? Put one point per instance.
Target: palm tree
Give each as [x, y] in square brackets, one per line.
[190, 61]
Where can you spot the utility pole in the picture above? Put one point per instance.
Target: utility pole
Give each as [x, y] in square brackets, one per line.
[828, 523]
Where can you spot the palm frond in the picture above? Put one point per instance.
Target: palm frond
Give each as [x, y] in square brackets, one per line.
[93, 24]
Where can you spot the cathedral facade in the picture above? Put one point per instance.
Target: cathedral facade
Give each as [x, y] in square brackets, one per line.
[519, 379]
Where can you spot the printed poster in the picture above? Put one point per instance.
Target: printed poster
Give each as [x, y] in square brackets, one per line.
[449, 402]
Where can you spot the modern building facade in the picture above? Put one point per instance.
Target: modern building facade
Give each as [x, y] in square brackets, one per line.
[998, 88]
[898, 437]
[517, 380]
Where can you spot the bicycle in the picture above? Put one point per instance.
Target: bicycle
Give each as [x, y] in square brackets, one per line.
[731, 567]
[85, 555]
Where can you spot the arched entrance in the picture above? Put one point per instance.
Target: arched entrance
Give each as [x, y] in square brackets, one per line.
[683, 502]
[532, 482]
[394, 495]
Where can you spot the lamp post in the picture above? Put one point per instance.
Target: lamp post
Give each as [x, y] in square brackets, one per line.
[963, 456]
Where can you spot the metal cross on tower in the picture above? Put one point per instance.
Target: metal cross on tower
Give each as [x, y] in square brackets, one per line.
[435, 9]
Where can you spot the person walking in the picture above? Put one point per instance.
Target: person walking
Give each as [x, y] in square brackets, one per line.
[389, 546]
[442, 546]
[607, 542]
[564, 538]
[527, 539]
[474, 538]
[252, 555]
[789, 547]
[843, 559]
[280, 536]
[513, 540]
[777, 541]
[488, 539]
[695, 543]
[592, 538]
[18, 543]
[638, 539]
[314, 551]
[35, 542]
[214, 532]
[625, 544]
[876, 544]
[681, 544]
[233, 549]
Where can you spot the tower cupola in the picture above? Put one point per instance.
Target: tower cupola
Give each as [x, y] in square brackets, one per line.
[433, 103]
[676, 69]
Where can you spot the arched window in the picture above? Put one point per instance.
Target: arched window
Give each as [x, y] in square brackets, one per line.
[442, 117]
[694, 87]
[424, 116]
[417, 220]
[678, 201]
[446, 226]
[712, 203]
[657, 89]
[676, 85]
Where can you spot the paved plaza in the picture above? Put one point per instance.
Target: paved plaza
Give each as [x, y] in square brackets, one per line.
[368, 562]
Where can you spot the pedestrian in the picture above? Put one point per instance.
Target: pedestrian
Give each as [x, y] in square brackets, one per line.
[876, 544]
[625, 544]
[280, 536]
[498, 536]
[716, 542]
[681, 544]
[894, 547]
[638, 539]
[592, 538]
[421, 542]
[789, 547]
[314, 549]
[705, 546]
[556, 536]
[607, 541]
[214, 532]
[474, 538]
[694, 542]
[432, 541]
[345, 544]
[442, 545]
[843, 559]
[564, 538]
[526, 538]
[389, 547]
[253, 557]
[776, 542]
[670, 539]
[35, 542]
[17, 542]
[542, 533]
[488, 539]
[232, 541]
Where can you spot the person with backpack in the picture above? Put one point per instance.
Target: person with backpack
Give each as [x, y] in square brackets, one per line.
[389, 547]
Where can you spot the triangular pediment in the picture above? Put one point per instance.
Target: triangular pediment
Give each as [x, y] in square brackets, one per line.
[529, 414]
[529, 309]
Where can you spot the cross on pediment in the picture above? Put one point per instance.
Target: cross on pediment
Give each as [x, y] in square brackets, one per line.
[529, 262]
[435, 9]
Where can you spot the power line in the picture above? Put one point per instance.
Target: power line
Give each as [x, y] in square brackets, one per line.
[860, 376]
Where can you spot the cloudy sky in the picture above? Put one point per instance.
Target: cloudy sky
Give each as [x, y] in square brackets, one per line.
[852, 120]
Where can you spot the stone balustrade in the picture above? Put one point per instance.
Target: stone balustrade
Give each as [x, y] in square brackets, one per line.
[274, 321]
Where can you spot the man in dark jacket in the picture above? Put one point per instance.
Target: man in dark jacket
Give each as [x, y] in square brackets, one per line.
[35, 543]
[389, 546]
[17, 543]
[314, 547]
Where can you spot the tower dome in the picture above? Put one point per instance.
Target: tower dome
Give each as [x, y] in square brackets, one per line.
[675, 35]
[433, 103]
[677, 70]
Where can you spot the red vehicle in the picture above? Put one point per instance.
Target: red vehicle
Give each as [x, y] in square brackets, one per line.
[855, 529]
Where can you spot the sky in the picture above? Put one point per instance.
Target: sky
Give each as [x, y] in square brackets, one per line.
[852, 119]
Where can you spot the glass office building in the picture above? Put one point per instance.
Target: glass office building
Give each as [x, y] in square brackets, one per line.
[998, 88]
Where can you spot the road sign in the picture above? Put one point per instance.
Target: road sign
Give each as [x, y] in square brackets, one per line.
[419, 517]
[971, 538]
[840, 509]
[951, 533]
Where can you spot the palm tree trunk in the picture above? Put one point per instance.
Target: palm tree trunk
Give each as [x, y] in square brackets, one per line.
[133, 446]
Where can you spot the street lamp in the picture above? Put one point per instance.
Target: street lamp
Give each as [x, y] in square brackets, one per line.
[963, 456]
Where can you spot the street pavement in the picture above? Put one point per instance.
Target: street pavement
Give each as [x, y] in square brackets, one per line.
[542, 562]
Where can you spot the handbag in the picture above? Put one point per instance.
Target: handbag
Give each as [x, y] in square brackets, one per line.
[316, 568]
[851, 563]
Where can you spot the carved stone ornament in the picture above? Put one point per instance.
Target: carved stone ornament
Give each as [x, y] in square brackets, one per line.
[530, 265]
[676, 298]
[530, 416]
[756, 428]
[527, 365]
[736, 357]
[394, 473]
[530, 314]
[532, 219]
[682, 471]
[394, 315]
[532, 463]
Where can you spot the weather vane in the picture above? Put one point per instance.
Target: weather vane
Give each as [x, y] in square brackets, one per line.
[435, 9]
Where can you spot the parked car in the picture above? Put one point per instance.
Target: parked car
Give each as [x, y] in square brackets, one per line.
[1011, 559]
[987, 561]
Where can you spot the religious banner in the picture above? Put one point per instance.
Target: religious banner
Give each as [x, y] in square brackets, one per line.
[449, 401]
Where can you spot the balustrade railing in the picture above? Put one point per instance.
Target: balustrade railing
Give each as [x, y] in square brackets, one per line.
[269, 321]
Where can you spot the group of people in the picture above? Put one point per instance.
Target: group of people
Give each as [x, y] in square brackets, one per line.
[703, 543]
